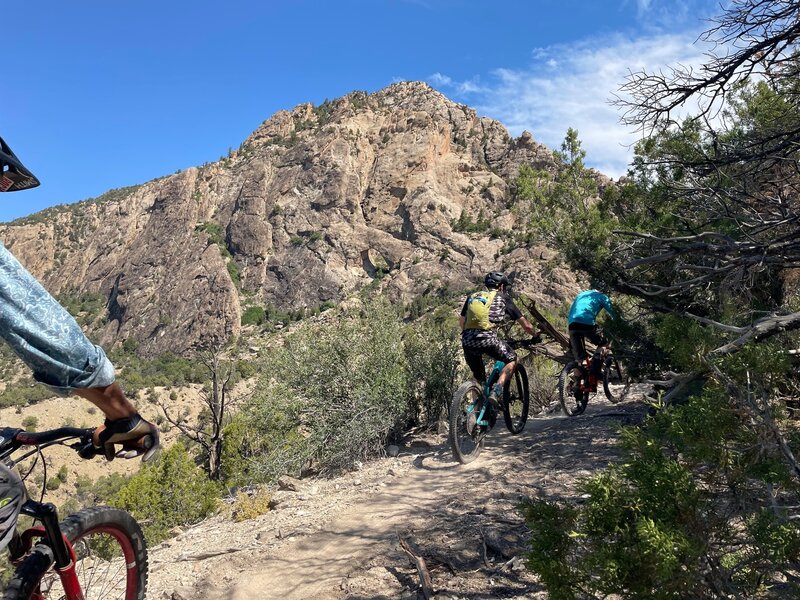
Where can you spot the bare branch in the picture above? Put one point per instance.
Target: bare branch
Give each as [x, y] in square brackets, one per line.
[760, 330]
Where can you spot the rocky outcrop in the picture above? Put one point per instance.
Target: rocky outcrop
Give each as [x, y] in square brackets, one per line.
[317, 203]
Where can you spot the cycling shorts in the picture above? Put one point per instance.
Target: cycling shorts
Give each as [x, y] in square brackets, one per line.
[578, 332]
[476, 343]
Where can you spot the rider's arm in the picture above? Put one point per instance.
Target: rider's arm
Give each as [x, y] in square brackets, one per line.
[512, 312]
[610, 307]
[526, 325]
[462, 319]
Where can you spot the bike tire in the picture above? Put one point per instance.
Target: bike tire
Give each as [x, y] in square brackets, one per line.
[516, 401]
[466, 436]
[93, 533]
[573, 401]
[612, 375]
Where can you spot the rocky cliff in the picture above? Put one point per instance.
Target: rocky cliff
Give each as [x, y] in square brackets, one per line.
[317, 203]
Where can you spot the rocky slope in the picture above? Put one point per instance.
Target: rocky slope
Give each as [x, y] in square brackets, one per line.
[317, 203]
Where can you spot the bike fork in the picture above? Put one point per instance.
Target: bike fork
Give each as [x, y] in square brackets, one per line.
[63, 554]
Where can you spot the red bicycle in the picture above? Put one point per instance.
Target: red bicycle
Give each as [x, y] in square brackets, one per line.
[574, 391]
[97, 553]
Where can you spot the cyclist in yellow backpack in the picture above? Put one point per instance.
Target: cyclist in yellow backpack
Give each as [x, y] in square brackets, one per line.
[481, 312]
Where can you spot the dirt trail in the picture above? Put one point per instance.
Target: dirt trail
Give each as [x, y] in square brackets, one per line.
[339, 538]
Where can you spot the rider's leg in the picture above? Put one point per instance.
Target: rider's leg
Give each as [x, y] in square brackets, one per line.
[578, 347]
[476, 366]
[599, 341]
[473, 355]
[507, 372]
[500, 350]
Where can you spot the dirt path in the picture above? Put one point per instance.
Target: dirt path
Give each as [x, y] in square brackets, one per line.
[340, 538]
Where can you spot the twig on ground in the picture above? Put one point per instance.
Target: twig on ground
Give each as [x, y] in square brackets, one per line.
[484, 550]
[422, 569]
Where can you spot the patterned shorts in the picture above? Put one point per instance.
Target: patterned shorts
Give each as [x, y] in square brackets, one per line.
[476, 343]
[45, 336]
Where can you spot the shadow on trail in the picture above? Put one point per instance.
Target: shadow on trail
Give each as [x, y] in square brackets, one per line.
[474, 539]
[463, 520]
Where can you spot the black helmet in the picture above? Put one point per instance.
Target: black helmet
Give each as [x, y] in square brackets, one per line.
[12, 497]
[495, 280]
[13, 175]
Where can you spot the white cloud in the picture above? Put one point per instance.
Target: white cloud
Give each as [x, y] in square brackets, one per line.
[571, 85]
[441, 80]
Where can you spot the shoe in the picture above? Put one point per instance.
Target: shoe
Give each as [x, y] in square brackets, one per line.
[496, 394]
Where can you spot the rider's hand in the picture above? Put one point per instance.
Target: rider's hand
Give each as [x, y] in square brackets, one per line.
[536, 338]
[134, 435]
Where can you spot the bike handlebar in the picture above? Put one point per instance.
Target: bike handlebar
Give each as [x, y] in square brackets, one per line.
[13, 438]
[523, 343]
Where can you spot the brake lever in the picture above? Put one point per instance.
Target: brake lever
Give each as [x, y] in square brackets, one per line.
[86, 448]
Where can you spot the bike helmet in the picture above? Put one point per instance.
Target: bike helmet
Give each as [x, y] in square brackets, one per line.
[12, 497]
[495, 280]
[13, 175]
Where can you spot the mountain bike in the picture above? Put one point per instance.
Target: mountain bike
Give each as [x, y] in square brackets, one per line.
[472, 415]
[574, 392]
[96, 553]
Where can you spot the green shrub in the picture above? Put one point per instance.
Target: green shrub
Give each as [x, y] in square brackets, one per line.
[233, 271]
[654, 524]
[29, 423]
[254, 315]
[163, 371]
[249, 506]
[24, 393]
[433, 352]
[330, 396]
[464, 224]
[173, 491]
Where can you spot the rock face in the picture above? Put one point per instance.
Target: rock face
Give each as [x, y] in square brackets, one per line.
[317, 203]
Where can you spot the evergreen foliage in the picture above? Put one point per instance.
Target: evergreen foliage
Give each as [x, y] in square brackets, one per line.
[702, 238]
[173, 491]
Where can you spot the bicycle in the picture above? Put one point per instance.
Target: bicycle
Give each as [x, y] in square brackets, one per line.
[472, 416]
[574, 392]
[96, 553]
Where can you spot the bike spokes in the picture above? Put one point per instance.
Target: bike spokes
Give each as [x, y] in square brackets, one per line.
[466, 432]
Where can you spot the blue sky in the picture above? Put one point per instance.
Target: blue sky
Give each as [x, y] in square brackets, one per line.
[103, 94]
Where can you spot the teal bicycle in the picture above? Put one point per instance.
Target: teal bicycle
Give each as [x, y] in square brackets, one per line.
[472, 415]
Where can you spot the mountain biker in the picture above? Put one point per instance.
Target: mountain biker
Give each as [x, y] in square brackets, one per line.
[582, 324]
[47, 339]
[481, 312]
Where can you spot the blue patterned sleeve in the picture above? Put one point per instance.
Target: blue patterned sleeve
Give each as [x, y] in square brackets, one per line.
[45, 336]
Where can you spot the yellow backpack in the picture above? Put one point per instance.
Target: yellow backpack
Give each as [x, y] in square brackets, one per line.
[477, 316]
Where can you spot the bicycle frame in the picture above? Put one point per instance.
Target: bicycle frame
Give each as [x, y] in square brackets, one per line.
[45, 513]
[63, 554]
[486, 390]
[589, 380]
[498, 367]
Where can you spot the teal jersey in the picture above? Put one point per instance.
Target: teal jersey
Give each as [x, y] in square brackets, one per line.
[587, 306]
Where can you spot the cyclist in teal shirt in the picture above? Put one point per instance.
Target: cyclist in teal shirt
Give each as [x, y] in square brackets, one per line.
[582, 323]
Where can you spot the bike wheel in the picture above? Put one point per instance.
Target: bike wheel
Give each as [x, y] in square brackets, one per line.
[516, 401]
[612, 375]
[466, 436]
[110, 559]
[573, 401]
